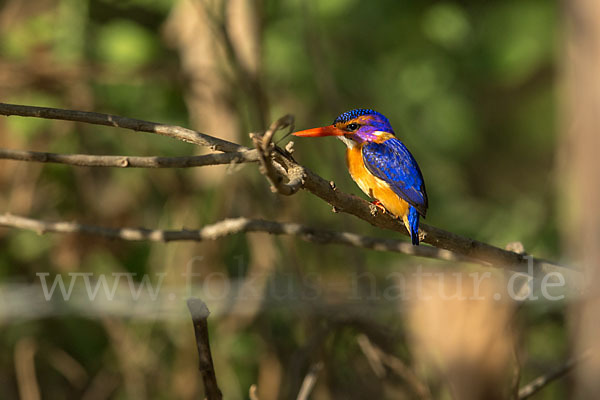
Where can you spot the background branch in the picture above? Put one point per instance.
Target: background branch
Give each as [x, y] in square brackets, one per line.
[541, 381]
[88, 160]
[230, 227]
[310, 380]
[175, 132]
[200, 313]
[378, 358]
[273, 170]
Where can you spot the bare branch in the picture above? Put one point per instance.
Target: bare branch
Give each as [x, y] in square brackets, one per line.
[516, 369]
[372, 355]
[470, 248]
[309, 381]
[482, 252]
[287, 121]
[228, 227]
[244, 77]
[541, 381]
[273, 168]
[253, 392]
[176, 132]
[87, 160]
[200, 314]
[377, 358]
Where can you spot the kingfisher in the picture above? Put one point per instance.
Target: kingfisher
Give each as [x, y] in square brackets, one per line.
[380, 164]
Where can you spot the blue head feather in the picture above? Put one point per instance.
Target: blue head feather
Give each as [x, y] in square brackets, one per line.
[375, 120]
[348, 115]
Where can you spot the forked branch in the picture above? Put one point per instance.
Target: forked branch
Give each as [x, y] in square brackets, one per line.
[481, 252]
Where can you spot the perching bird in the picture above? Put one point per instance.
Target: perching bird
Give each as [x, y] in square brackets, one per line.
[380, 164]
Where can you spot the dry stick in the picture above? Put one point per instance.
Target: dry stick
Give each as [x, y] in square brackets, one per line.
[485, 253]
[516, 372]
[400, 369]
[88, 160]
[377, 358]
[309, 381]
[175, 132]
[200, 313]
[253, 392]
[228, 227]
[482, 252]
[246, 78]
[269, 167]
[372, 356]
[541, 381]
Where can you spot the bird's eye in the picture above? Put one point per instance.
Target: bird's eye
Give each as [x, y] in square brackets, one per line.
[352, 127]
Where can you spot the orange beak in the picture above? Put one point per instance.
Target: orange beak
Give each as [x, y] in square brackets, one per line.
[322, 131]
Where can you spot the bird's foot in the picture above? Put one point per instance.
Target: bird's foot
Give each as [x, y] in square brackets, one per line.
[377, 206]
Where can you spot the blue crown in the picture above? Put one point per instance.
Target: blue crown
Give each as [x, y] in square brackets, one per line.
[348, 115]
[379, 120]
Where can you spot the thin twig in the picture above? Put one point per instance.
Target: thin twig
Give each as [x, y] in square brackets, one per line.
[309, 381]
[228, 227]
[88, 160]
[287, 121]
[271, 167]
[372, 356]
[200, 314]
[253, 392]
[244, 76]
[172, 131]
[376, 357]
[516, 373]
[24, 360]
[542, 381]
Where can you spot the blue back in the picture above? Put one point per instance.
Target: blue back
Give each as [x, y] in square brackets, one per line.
[391, 162]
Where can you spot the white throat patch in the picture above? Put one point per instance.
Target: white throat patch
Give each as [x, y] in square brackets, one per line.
[348, 142]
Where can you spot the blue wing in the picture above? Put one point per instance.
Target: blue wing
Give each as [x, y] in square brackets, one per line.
[391, 162]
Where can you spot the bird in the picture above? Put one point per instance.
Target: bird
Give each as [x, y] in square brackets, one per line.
[380, 164]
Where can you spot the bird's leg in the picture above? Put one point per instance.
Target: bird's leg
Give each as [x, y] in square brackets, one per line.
[379, 206]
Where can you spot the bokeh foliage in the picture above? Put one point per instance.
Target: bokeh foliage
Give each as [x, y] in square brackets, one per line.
[469, 86]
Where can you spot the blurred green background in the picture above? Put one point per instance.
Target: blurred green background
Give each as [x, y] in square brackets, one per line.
[469, 86]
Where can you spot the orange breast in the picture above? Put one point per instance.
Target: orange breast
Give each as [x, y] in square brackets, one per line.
[373, 186]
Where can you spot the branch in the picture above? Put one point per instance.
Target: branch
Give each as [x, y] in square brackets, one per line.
[274, 169]
[200, 314]
[87, 160]
[175, 132]
[377, 358]
[244, 76]
[253, 392]
[481, 252]
[309, 381]
[228, 227]
[516, 372]
[541, 381]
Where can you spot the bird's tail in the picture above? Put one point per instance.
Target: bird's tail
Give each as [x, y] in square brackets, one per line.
[412, 224]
